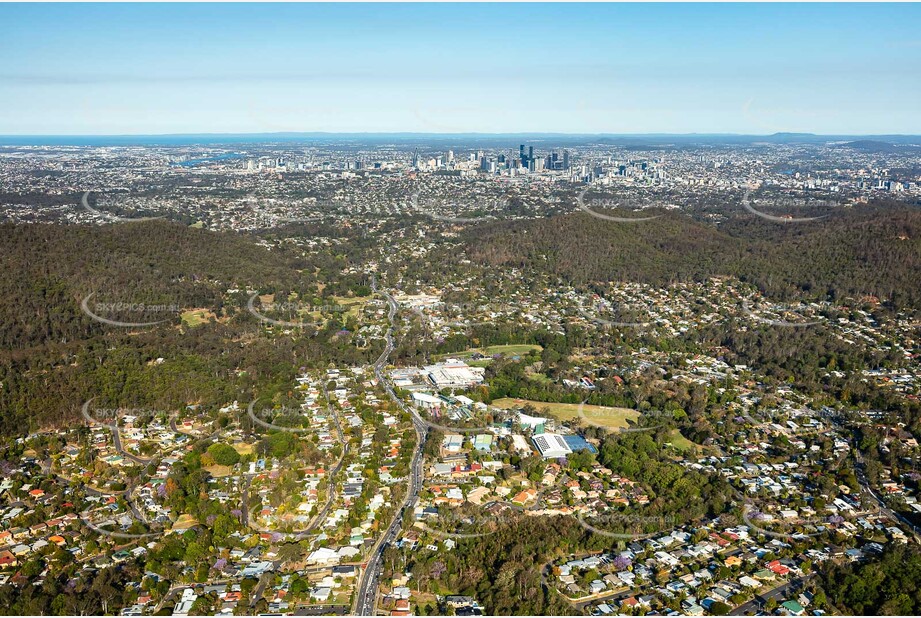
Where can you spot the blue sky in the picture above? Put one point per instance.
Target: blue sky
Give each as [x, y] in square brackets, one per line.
[623, 68]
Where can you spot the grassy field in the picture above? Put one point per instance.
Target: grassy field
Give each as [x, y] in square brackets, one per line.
[219, 471]
[539, 378]
[602, 416]
[680, 442]
[196, 317]
[243, 449]
[514, 349]
[520, 349]
[351, 306]
[354, 304]
[185, 522]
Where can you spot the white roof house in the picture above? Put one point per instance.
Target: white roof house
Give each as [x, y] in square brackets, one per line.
[323, 555]
[427, 401]
[531, 422]
[551, 445]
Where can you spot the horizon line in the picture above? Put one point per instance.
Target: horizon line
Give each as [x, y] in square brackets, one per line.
[463, 133]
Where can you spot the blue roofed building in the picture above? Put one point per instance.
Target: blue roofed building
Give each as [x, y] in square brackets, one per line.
[578, 443]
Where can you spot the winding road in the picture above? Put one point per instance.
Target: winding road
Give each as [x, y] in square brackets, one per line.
[366, 595]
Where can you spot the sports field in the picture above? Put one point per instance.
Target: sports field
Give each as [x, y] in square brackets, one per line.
[602, 416]
[514, 349]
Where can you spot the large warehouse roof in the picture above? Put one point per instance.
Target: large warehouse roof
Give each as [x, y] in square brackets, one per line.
[551, 445]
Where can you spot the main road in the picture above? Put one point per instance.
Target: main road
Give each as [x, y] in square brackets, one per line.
[861, 471]
[334, 472]
[757, 604]
[316, 520]
[366, 595]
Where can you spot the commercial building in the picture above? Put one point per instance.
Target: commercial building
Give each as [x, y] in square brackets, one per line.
[454, 374]
[551, 445]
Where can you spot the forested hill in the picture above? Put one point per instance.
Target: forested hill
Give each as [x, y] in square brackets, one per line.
[876, 251]
[54, 357]
[46, 270]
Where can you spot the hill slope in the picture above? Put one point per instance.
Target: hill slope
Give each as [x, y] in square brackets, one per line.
[54, 357]
[877, 251]
[48, 269]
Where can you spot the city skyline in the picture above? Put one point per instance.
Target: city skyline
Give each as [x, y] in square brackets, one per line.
[456, 69]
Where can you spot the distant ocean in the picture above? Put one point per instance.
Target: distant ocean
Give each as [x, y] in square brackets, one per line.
[140, 140]
[220, 157]
[460, 139]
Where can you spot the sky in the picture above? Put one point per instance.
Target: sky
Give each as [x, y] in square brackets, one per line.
[115, 69]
